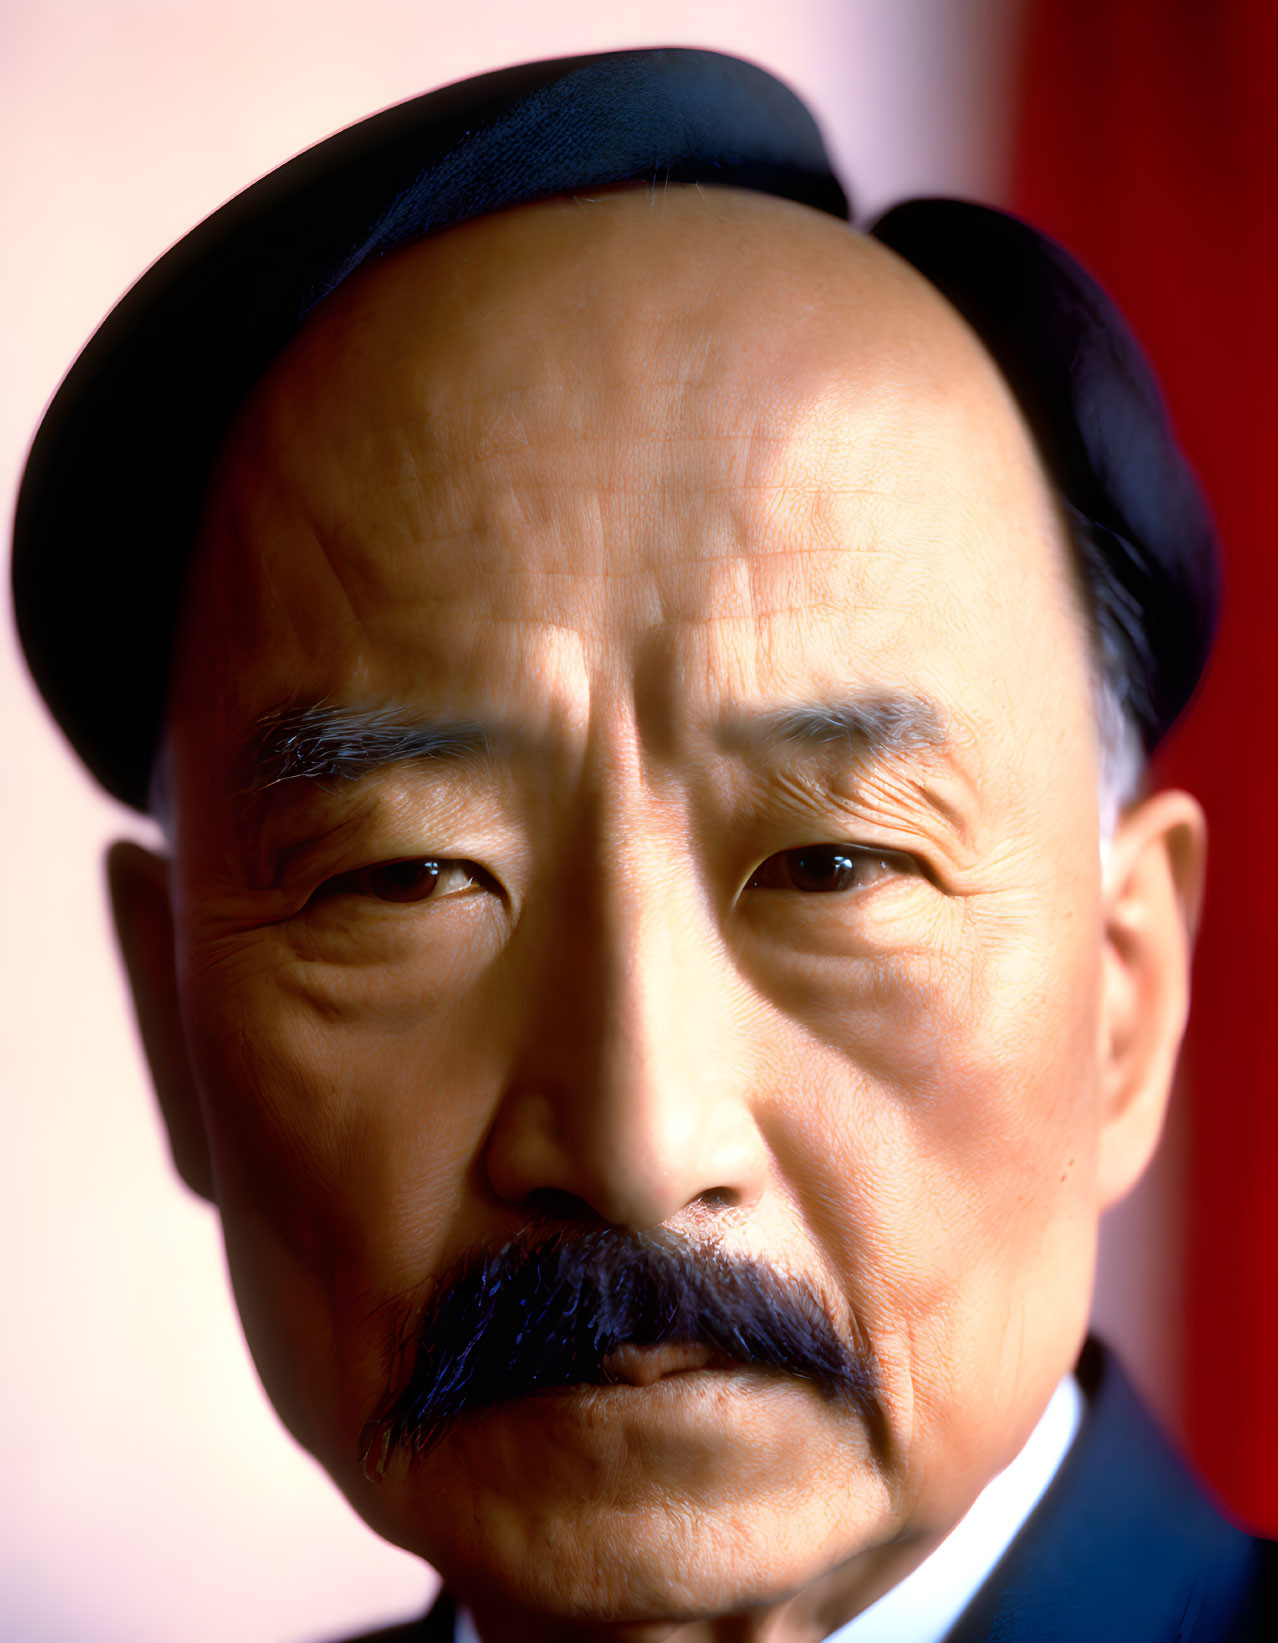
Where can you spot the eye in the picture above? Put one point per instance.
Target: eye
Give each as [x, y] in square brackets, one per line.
[417, 878]
[830, 868]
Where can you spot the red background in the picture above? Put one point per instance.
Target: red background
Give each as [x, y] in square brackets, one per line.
[1148, 142]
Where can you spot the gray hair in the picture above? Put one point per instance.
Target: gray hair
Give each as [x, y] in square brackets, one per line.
[1120, 667]
[1122, 754]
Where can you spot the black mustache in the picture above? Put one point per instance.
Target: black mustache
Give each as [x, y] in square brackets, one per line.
[547, 1311]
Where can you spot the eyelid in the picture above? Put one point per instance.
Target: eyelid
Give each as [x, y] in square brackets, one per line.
[356, 881]
[368, 823]
[899, 863]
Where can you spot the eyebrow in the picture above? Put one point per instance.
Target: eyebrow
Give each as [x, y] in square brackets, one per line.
[325, 742]
[874, 725]
[331, 743]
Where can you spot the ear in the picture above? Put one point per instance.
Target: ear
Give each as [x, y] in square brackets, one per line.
[1153, 884]
[139, 885]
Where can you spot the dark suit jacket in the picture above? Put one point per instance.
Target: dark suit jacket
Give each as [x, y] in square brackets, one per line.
[1125, 1547]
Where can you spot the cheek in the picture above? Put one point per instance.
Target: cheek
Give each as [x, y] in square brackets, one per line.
[345, 1071]
[345, 1111]
[967, 1027]
[943, 1150]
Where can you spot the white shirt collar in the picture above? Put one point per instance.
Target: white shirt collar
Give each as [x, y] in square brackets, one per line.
[923, 1606]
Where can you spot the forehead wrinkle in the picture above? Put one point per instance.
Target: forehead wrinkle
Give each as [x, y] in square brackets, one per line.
[619, 463]
[582, 530]
[442, 442]
[443, 491]
[451, 410]
[466, 421]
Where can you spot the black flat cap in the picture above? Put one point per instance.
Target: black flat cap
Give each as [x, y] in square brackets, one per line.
[114, 485]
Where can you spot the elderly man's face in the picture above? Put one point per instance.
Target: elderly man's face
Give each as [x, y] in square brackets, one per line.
[752, 893]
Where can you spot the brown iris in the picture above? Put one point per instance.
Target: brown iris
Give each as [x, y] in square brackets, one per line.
[412, 880]
[826, 868]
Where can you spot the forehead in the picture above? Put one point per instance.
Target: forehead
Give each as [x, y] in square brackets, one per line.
[697, 447]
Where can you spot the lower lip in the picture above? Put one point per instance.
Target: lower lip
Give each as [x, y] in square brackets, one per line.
[617, 1440]
[678, 1434]
[676, 1387]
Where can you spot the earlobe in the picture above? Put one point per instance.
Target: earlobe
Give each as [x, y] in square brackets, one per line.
[140, 902]
[1153, 886]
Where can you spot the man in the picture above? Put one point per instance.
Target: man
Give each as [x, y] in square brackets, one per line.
[665, 955]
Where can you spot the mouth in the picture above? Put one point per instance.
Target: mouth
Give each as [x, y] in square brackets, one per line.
[632, 1365]
[602, 1318]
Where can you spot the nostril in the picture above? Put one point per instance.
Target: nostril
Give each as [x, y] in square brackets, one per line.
[720, 1198]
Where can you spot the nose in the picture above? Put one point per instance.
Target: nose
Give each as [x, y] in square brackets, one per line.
[630, 1099]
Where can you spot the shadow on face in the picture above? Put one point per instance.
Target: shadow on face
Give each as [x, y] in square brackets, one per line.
[634, 779]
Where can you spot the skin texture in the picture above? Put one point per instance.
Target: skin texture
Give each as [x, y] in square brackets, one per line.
[621, 478]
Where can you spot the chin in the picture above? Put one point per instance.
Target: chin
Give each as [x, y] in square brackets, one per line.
[670, 1564]
[614, 1505]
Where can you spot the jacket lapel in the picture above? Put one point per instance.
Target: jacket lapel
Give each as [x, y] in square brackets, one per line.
[1123, 1548]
